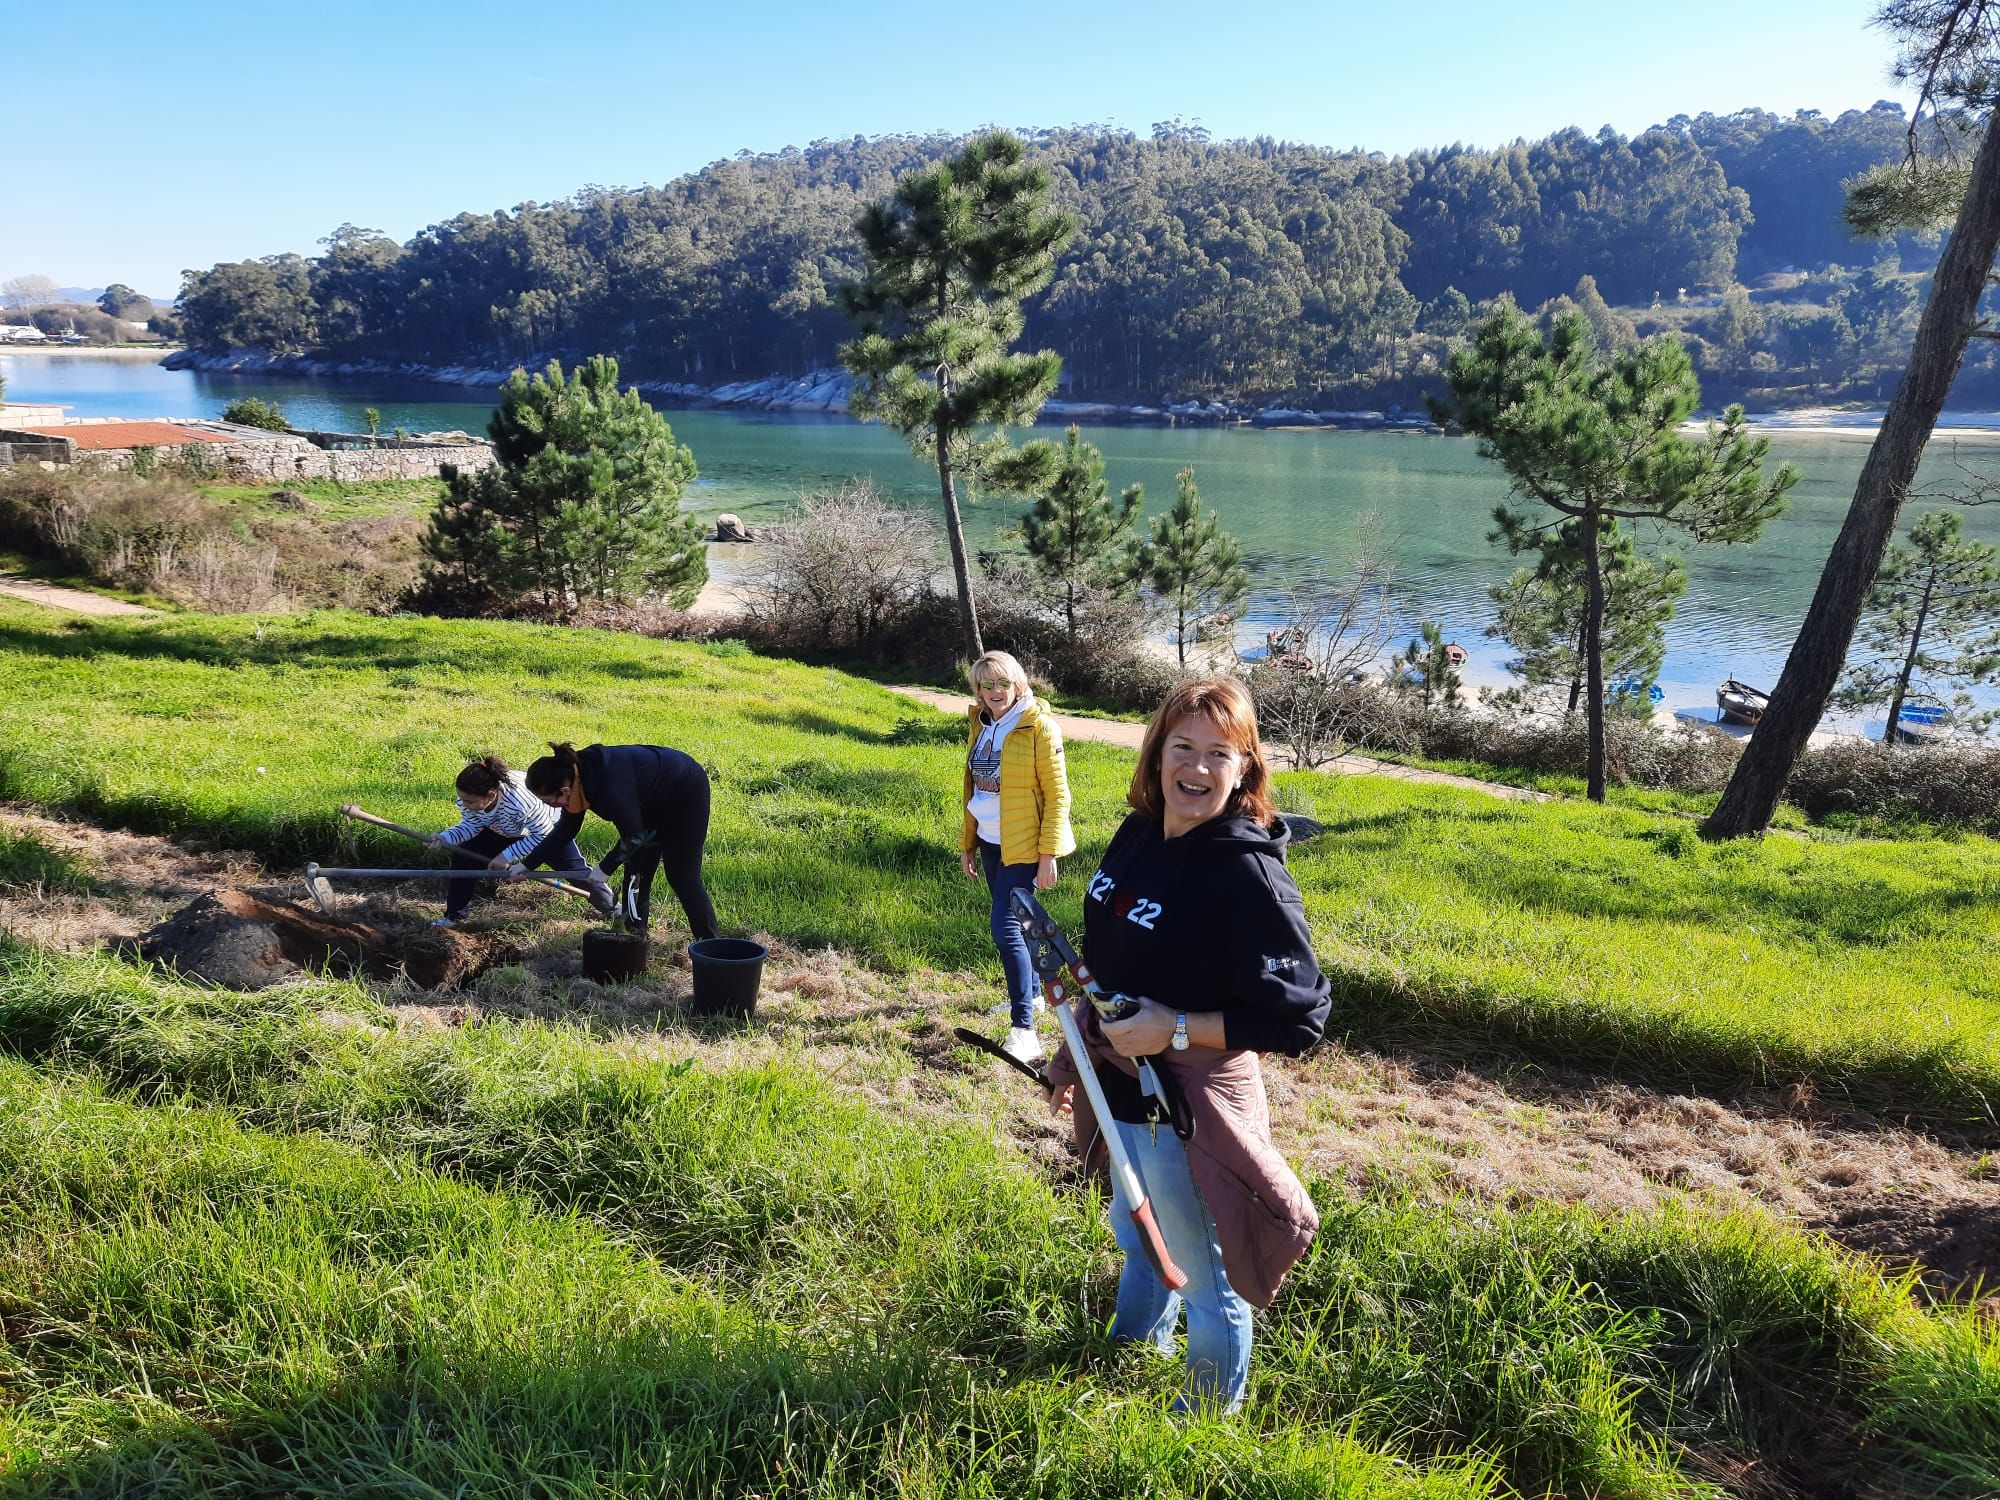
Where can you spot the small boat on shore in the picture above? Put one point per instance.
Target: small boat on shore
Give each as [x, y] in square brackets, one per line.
[1739, 703]
[1923, 721]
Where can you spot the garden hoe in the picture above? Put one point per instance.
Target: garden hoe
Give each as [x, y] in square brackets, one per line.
[319, 881]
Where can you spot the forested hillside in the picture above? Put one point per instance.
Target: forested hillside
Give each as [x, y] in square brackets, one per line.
[1250, 269]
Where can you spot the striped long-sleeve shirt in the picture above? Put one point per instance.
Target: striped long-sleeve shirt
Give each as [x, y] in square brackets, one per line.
[522, 819]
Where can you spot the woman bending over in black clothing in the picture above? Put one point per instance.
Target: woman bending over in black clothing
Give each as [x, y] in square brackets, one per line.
[656, 798]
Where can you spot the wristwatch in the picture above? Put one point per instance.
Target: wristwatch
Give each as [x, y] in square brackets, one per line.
[1180, 1031]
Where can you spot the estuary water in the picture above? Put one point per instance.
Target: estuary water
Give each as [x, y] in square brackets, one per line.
[1294, 498]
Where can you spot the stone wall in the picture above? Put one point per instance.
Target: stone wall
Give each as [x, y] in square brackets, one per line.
[282, 457]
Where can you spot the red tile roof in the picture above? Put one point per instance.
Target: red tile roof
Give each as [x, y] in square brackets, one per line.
[95, 435]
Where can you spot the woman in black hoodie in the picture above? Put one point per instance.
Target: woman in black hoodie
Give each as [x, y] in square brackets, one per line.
[1192, 908]
[656, 798]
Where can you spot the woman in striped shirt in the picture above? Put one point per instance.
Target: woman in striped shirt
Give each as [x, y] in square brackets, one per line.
[499, 823]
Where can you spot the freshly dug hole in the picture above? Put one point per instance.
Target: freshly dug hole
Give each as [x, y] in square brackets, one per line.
[241, 941]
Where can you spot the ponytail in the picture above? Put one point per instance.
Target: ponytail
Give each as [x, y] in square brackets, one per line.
[555, 771]
[487, 774]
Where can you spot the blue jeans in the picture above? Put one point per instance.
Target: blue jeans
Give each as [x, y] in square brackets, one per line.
[1218, 1320]
[1001, 883]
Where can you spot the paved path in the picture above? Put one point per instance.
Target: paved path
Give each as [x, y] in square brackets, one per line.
[1128, 735]
[57, 597]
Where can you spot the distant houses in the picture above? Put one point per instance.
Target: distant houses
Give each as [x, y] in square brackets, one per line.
[40, 434]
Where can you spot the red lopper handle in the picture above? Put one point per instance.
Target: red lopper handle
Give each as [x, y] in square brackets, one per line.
[1155, 1244]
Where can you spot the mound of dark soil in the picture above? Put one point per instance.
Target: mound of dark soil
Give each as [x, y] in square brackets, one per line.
[241, 941]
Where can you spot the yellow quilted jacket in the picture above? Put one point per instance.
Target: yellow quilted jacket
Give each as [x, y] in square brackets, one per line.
[1034, 789]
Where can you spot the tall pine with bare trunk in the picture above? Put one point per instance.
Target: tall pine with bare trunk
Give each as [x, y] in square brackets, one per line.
[1952, 48]
[950, 256]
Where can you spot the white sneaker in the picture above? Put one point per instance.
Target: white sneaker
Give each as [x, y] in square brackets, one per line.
[444, 921]
[1022, 1045]
[1006, 1008]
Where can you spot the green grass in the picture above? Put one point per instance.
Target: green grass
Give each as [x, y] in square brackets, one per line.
[332, 499]
[1609, 936]
[942, 1297]
[834, 807]
[194, 1309]
[28, 864]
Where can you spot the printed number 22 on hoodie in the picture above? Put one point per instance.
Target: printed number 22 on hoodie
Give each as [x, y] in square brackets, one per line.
[1134, 909]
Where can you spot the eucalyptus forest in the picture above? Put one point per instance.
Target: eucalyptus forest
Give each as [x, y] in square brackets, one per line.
[1235, 270]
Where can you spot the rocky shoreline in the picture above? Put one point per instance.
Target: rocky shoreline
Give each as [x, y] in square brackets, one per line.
[823, 392]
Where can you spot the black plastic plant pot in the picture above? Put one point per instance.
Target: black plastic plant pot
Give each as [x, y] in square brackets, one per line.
[727, 972]
[614, 957]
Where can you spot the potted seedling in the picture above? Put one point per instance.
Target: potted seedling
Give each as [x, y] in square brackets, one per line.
[616, 953]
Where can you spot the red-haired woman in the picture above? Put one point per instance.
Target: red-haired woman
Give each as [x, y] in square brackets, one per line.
[1193, 909]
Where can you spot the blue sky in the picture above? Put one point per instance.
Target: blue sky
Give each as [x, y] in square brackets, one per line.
[160, 135]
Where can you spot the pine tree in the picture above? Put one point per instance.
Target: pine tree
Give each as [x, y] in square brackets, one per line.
[1192, 563]
[1427, 667]
[1949, 47]
[584, 501]
[1595, 437]
[950, 255]
[1541, 607]
[1934, 621]
[469, 557]
[1074, 528]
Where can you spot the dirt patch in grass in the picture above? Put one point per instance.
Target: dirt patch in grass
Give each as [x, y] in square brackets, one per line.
[1482, 1125]
[135, 882]
[244, 941]
[219, 916]
[1517, 1134]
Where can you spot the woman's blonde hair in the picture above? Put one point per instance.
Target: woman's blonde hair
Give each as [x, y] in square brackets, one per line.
[1224, 701]
[1000, 664]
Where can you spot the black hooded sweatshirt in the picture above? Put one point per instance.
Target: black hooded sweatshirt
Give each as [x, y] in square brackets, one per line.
[1208, 921]
[634, 788]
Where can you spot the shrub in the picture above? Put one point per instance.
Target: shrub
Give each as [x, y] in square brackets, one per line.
[1638, 752]
[1952, 785]
[1106, 656]
[254, 411]
[160, 536]
[846, 573]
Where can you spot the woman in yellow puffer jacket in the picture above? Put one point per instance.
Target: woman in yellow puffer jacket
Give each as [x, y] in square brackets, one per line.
[1016, 818]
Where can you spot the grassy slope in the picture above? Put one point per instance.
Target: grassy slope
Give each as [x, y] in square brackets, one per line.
[935, 1298]
[331, 499]
[1590, 934]
[197, 1309]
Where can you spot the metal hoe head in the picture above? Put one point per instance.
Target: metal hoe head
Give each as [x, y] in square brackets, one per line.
[321, 890]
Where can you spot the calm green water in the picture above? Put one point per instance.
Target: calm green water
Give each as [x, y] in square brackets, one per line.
[1292, 497]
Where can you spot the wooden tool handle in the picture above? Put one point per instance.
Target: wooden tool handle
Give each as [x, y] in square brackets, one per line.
[349, 810]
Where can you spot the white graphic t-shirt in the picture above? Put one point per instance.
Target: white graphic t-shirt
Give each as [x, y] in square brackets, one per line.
[984, 761]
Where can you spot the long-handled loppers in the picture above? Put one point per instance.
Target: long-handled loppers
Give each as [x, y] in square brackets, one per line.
[1053, 956]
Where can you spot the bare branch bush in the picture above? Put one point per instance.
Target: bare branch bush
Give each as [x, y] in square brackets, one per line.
[1316, 688]
[1104, 656]
[845, 571]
